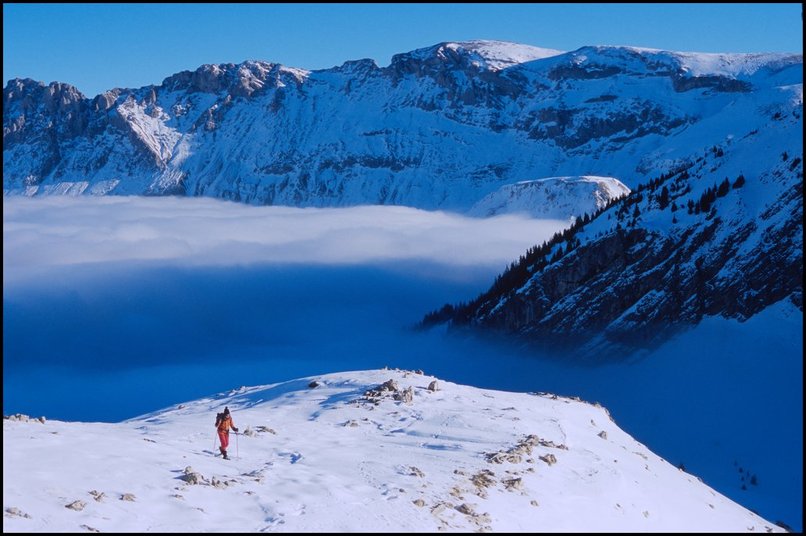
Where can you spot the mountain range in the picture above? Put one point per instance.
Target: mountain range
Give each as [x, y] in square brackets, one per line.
[439, 128]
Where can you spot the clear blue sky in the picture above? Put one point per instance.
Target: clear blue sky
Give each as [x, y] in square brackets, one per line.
[98, 47]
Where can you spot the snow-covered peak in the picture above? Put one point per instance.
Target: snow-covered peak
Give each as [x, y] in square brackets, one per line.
[19, 86]
[700, 64]
[719, 64]
[357, 66]
[240, 79]
[481, 54]
[18, 89]
[697, 64]
[561, 198]
[348, 454]
[497, 55]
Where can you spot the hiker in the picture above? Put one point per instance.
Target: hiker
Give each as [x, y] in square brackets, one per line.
[223, 423]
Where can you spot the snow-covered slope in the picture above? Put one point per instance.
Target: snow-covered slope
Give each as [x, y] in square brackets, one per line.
[440, 127]
[482, 54]
[552, 198]
[327, 458]
[720, 234]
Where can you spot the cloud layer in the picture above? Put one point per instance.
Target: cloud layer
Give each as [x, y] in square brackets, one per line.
[59, 231]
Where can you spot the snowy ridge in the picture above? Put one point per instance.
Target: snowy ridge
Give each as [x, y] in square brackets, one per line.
[552, 198]
[341, 454]
[689, 63]
[701, 64]
[486, 54]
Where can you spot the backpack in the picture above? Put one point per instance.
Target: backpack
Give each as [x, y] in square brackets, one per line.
[218, 419]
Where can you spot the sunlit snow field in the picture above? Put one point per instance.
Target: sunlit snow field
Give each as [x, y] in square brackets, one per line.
[114, 307]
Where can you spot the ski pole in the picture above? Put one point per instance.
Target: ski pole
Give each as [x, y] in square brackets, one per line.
[215, 434]
[237, 455]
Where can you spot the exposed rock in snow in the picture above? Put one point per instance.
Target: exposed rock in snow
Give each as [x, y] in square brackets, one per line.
[24, 418]
[192, 477]
[14, 511]
[549, 458]
[406, 395]
[413, 471]
[76, 505]
[513, 484]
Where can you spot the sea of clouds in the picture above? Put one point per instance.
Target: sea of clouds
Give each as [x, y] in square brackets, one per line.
[42, 233]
